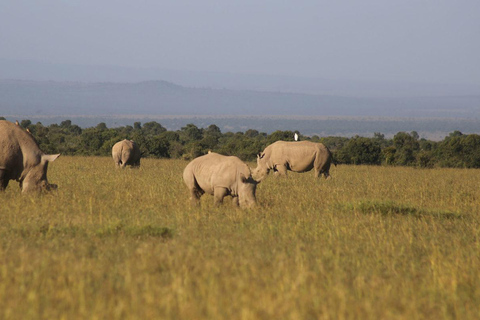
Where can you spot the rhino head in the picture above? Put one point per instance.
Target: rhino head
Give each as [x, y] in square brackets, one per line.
[262, 169]
[246, 191]
[36, 178]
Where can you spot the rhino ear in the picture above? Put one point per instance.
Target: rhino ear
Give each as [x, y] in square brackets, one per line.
[50, 157]
[260, 155]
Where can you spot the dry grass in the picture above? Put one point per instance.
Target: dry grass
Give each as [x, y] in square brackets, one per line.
[372, 243]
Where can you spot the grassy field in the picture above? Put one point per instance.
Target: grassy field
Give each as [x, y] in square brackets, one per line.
[372, 243]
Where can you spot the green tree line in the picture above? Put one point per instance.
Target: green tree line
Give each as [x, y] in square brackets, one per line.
[404, 149]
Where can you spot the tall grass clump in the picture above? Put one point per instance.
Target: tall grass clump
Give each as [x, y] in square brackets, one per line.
[371, 243]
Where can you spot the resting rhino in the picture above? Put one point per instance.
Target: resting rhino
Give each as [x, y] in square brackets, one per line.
[220, 176]
[126, 152]
[296, 156]
[21, 159]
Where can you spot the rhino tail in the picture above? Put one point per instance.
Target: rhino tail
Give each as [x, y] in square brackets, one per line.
[334, 161]
[195, 189]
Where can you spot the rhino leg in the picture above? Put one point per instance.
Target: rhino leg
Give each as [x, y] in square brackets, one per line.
[326, 174]
[319, 172]
[235, 201]
[119, 164]
[281, 170]
[326, 171]
[219, 193]
[3, 180]
[322, 164]
[195, 194]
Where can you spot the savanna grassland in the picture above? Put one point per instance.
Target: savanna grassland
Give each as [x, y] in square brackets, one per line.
[371, 243]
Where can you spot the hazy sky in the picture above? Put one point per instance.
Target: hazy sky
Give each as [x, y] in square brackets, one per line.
[407, 40]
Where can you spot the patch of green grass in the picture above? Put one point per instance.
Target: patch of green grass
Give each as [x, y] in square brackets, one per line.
[386, 208]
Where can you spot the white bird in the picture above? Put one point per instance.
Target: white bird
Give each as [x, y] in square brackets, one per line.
[295, 136]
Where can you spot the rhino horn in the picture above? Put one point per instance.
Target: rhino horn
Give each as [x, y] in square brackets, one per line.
[251, 179]
[50, 157]
[259, 179]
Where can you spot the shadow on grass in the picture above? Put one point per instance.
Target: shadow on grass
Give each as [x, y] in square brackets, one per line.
[111, 230]
[135, 231]
[389, 208]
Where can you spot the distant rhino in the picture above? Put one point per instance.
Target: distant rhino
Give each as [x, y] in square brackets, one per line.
[220, 176]
[126, 152]
[21, 159]
[296, 156]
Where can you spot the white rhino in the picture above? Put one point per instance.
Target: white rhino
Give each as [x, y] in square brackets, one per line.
[220, 176]
[126, 152]
[296, 156]
[21, 159]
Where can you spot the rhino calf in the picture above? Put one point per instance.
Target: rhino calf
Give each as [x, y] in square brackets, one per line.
[296, 156]
[220, 176]
[126, 152]
[22, 160]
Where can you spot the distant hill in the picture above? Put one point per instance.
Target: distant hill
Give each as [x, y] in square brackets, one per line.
[45, 71]
[165, 98]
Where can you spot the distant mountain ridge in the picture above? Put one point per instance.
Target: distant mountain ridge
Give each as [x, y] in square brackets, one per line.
[45, 71]
[166, 98]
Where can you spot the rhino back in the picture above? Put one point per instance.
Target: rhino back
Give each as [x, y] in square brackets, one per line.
[302, 151]
[18, 150]
[298, 156]
[215, 170]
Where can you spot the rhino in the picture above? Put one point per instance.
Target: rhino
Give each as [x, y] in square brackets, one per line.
[22, 160]
[126, 152]
[220, 176]
[296, 156]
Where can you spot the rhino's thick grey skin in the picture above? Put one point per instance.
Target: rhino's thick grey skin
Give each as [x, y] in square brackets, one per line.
[126, 152]
[220, 176]
[21, 159]
[296, 156]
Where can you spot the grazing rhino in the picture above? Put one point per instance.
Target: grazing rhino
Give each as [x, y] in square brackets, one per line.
[220, 176]
[126, 152]
[21, 159]
[296, 156]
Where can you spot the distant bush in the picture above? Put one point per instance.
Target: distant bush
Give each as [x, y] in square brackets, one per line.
[360, 150]
[459, 151]
[405, 149]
